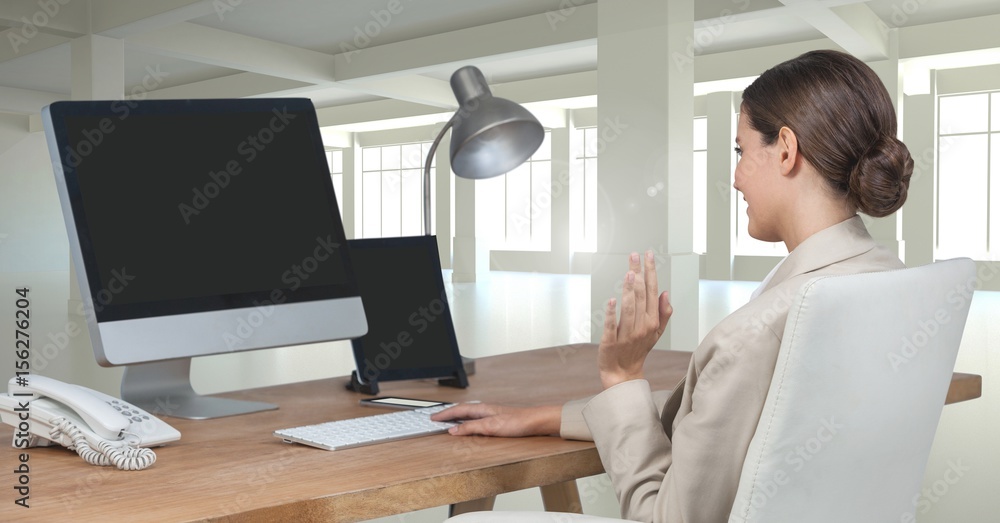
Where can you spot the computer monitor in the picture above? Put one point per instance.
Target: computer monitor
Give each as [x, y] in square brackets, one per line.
[200, 227]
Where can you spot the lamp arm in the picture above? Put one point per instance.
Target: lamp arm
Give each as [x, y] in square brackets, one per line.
[427, 174]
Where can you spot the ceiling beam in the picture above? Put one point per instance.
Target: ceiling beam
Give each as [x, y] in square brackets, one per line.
[968, 34]
[122, 18]
[412, 88]
[372, 111]
[237, 85]
[212, 46]
[572, 85]
[508, 39]
[751, 62]
[67, 19]
[854, 27]
[20, 46]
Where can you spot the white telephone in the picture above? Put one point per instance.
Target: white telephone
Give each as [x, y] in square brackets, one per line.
[104, 430]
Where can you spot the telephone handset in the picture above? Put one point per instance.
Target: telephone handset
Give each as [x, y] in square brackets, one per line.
[103, 429]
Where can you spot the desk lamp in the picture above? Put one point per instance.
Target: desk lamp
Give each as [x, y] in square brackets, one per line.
[489, 136]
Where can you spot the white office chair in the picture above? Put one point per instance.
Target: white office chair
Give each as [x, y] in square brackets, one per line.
[861, 377]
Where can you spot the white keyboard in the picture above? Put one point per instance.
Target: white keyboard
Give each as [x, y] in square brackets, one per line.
[368, 430]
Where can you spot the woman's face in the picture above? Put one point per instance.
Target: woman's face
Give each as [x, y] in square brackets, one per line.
[757, 177]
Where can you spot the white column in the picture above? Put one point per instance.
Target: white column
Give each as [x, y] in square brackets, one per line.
[721, 208]
[357, 189]
[348, 197]
[918, 220]
[559, 247]
[471, 256]
[97, 68]
[645, 180]
[97, 72]
[442, 212]
[888, 231]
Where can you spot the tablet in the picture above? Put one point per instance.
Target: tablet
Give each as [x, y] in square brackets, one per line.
[410, 330]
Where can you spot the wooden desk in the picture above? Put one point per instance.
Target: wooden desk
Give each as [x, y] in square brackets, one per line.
[233, 469]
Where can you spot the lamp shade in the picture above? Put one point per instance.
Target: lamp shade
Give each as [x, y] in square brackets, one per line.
[490, 135]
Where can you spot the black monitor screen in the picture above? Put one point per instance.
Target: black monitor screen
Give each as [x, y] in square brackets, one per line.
[410, 331]
[200, 205]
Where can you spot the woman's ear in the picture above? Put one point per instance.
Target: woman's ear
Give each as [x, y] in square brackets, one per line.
[788, 150]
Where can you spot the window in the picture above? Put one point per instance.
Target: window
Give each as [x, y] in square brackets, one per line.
[968, 182]
[335, 159]
[519, 203]
[583, 191]
[391, 190]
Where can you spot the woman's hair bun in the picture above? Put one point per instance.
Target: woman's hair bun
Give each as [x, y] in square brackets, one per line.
[881, 177]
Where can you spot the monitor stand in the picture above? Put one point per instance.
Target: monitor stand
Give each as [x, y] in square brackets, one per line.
[163, 388]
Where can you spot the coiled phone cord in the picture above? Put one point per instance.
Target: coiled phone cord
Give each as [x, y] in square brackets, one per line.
[119, 454]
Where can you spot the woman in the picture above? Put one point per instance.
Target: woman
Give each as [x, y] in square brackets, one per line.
[817, 144]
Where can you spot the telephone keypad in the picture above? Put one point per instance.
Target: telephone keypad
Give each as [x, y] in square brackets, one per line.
[128, 411]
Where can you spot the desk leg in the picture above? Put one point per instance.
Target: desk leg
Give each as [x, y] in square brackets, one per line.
[475, 505]
[562, 497]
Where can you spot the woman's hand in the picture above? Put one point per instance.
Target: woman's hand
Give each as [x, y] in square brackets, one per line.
[625, 343]
[495, 420]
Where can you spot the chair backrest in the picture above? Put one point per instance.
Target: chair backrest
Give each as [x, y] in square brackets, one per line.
[860, 381]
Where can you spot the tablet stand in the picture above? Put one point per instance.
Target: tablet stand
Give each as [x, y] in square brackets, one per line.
[459, 379]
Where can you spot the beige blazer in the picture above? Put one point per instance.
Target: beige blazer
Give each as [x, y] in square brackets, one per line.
[677, 457]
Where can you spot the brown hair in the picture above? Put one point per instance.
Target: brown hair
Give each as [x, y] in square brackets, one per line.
[844, 122]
